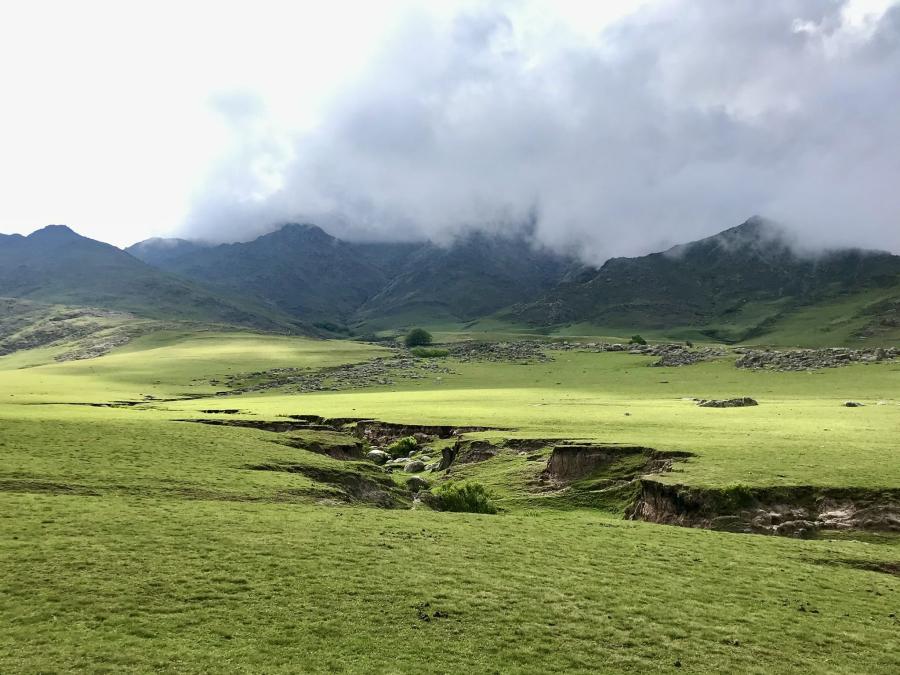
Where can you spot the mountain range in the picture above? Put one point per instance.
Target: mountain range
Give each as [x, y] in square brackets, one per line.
[56, 265]
[747, 281]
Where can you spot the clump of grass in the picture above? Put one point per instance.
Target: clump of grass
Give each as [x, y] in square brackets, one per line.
[402, 447]
[429, 352]
[465, 497]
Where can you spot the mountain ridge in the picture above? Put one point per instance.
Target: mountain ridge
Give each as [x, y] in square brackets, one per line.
[56, 265]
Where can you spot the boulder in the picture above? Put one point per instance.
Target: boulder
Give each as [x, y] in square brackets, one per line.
[853, 404]
[414, 466]
[416, 484]
[727, 403]
[377, 456]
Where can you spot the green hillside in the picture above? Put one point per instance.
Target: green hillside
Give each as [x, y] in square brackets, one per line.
[57, 266]
[746, 283]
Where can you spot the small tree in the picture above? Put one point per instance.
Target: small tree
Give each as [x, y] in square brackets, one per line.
[637, 340]
[418, 337]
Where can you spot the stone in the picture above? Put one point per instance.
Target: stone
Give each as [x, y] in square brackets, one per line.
[727, 403]
[414, 466]
[377, 456]
[853, 404]
[416, 484]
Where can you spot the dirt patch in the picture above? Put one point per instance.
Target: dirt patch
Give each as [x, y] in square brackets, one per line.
[345, 449]
[798, 511]
[868, 565]
[569, 463]
[350, 486]
[277, 426]
[382, 434]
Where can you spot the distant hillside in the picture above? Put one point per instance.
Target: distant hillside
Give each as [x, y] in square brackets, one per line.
[307, 273]
[298, 269]
[744, 284]
[748, 270]
[56, 265]
[474, 277]
[157, 250]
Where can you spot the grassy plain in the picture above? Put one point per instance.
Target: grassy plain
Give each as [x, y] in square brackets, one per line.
[133, 541]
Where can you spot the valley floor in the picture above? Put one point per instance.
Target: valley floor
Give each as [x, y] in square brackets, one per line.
[133, 540]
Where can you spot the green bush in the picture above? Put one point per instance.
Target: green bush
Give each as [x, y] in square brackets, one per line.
[402, 447]
[418, 337]
[428, 352]
[637, 340]
[467, 497]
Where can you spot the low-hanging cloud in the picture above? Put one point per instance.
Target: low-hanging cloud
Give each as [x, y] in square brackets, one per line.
[676, 122]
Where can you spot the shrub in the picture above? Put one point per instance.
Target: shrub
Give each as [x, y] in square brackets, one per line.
[637, 340]
[467, 497]
[418, 337]
[689, 344]
[402, 447]
[429, 352]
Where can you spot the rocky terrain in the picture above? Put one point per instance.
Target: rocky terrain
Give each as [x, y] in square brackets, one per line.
[810, 359]
[383, 371]
[89, 331]
[521, 351]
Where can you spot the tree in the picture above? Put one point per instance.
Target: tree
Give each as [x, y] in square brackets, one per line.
[418, 337]
[637, 340]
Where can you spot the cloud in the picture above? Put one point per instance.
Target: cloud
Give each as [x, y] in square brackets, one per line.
[674, 122]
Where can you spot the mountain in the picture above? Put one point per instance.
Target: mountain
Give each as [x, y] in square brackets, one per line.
[299, 269]
[157, 250]
[750, 270]
[303, 271]
[473, 277]
[56, 265]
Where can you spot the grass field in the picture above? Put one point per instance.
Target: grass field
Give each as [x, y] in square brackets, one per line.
[133, 541]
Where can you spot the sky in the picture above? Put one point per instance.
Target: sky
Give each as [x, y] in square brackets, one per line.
[601, 129]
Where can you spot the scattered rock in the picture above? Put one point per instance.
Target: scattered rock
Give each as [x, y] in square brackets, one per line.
[853, 404]
[742, 402]
[519, 351]
[383, 371]
[415, 466]
[378, 456]
[670, 354]
[811, 359]
[417, 484]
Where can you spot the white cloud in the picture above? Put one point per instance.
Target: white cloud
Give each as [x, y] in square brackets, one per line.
[622, 127]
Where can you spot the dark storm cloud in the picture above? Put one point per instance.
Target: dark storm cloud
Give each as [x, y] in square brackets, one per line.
[684, 119]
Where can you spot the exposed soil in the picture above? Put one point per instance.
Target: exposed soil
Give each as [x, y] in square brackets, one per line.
[568, 463]
[798, 511]
[351, 486]
[593, 474]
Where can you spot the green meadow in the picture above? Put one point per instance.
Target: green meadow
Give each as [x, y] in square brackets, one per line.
[132, 539]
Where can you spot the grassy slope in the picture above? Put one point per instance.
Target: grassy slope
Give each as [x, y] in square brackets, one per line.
[857, 319]
[129, 541]
[57, 266]
[799, 434]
